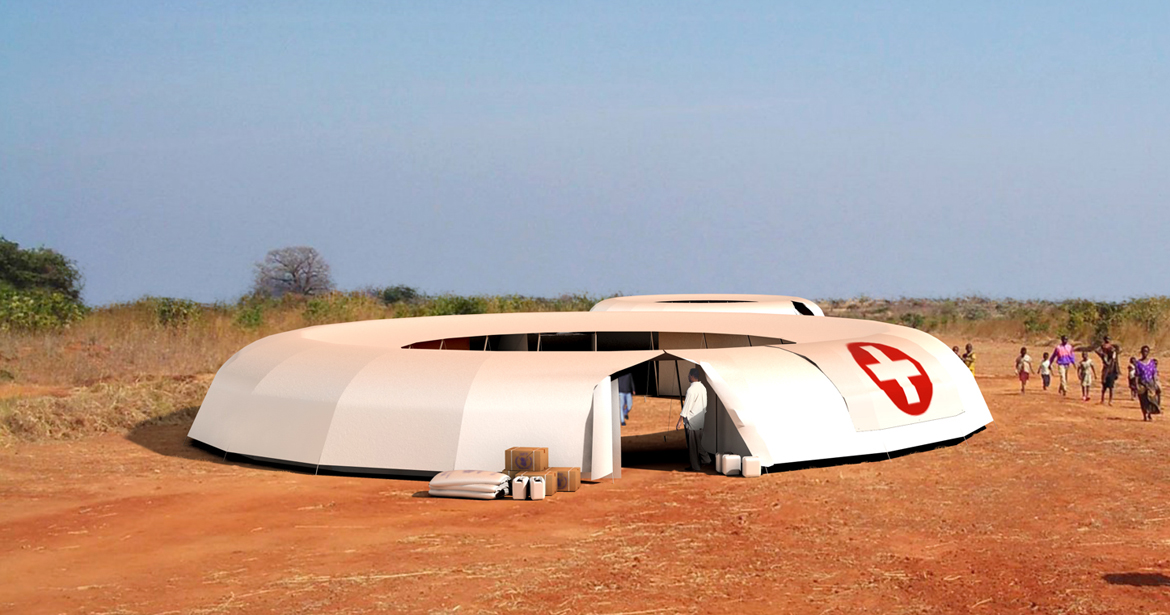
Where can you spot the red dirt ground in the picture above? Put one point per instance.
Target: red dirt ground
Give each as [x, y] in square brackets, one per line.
[1059, 506]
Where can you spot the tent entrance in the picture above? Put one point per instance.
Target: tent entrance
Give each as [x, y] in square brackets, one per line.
[666, 377]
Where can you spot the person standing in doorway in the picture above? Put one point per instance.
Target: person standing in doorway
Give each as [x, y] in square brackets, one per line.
[626, 395]
[1023, 368]
[1065, 356]
[694, 411]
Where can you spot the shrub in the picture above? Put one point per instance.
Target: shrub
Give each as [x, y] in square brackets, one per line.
[1033, 321]
[37, 309]
[250, 316]
[1147, 312]
[912, 319]
[38, 269]
[395, 294]
[341, 307]
[446, 305]
[170, 312]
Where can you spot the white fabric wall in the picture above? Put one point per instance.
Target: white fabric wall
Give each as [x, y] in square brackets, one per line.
[405, 415]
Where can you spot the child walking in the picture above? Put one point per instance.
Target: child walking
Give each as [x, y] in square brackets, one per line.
[1023, 368]
[1046, 372]
[1133, 391]
[1087, 371]
[969, 358]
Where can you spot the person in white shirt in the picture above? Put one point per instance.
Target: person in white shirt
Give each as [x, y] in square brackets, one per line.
[694, 412]
[1046, 371]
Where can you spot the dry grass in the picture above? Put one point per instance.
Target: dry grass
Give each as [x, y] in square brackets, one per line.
[1131, 323]
[128, 342]
[101, 408]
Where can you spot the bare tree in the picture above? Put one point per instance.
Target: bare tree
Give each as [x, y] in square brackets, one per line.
[299, 270]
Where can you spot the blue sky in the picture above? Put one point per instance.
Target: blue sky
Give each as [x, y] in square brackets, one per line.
[816, 149]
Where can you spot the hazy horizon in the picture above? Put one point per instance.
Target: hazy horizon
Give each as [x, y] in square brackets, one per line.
[911, 150]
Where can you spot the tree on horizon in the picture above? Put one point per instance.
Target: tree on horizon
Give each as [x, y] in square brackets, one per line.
[297, 270]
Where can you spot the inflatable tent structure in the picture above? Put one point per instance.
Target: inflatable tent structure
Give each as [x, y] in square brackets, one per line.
[424, 395]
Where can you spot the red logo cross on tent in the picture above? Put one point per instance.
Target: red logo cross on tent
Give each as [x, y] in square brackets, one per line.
[897, 374]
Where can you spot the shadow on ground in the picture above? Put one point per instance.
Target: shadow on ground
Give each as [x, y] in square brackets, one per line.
[1138, 579]
[668, 458]
[167, 435]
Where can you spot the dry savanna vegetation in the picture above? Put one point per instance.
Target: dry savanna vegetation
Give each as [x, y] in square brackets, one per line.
[116, 366]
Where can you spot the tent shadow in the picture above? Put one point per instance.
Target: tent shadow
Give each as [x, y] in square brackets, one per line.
[1137, 579]
[844, 461]
[167, 435]
[669, 459]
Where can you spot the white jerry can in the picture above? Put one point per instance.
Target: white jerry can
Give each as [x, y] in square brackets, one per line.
[730, 464]
[536, 488]
[519, 487]
[750, 466]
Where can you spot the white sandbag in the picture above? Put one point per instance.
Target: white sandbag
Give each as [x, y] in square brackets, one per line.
[455, 478]
[519, 487]
[459, 493]
[730, 464]
[536, 488]
[750, 466]
[478, 488]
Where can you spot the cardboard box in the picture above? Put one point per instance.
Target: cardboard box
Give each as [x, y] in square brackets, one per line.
[526, 458]
[568, 479]
[550, 480]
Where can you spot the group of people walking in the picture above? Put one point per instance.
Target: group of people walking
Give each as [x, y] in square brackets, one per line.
[1142, 372]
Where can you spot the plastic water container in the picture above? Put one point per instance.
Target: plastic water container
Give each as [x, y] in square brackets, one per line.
[730, 464]
[750, 466]
[519, 487]
[536, 488]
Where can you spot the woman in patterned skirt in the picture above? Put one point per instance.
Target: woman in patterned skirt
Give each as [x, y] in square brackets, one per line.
[1149, 391]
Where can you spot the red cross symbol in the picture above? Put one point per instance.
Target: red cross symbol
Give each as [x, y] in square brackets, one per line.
[897, 374]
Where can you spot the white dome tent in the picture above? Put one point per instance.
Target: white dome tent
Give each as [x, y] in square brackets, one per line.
[425, 395]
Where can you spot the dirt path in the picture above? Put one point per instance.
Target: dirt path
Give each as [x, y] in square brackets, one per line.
[1058, 507]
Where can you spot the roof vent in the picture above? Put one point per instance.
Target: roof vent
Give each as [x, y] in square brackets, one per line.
[708, 301]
